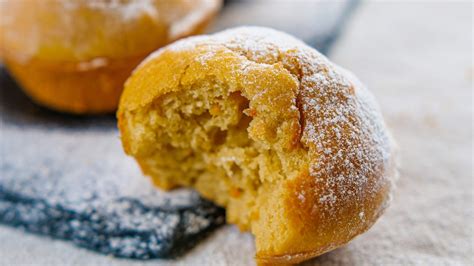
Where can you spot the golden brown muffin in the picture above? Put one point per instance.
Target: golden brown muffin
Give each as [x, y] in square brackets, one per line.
[291, 145]
[74, 56]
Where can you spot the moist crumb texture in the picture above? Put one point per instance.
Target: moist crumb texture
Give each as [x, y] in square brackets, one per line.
[293, 146]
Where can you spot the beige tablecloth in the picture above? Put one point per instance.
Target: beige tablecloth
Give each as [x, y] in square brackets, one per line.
[417, 60]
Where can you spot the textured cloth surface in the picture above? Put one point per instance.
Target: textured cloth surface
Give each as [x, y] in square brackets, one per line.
[416, 59]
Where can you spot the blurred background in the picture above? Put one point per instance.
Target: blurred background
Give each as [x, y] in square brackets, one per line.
[63, 161]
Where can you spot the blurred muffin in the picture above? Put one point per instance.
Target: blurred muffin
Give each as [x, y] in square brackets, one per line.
[74, 56]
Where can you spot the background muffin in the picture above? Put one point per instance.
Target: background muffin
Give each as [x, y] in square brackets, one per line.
[74, 56]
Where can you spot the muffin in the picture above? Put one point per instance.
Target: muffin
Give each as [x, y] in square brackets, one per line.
[74, 56]
[293, 146]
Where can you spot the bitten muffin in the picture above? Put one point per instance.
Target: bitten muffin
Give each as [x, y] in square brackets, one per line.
[293, 146]
[74, 56]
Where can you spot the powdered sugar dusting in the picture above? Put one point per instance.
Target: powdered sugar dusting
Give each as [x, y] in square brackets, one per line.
[342, 126]
[182, 26]
[168, 20]
[128, 10]
[92, 64]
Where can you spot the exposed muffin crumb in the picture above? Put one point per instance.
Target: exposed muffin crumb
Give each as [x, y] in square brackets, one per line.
[293, 146]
